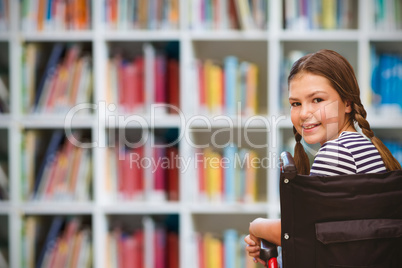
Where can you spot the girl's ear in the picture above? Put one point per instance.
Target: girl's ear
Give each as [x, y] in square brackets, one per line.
[348, 107]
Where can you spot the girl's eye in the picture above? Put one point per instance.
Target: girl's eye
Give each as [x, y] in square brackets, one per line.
[317, 100]
[295, 104]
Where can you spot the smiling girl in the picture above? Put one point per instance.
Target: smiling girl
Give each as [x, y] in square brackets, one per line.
[325, 106]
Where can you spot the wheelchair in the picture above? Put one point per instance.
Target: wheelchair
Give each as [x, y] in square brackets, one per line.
[338, 221]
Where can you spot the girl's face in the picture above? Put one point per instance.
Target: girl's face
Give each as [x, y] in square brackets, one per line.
[317, 111]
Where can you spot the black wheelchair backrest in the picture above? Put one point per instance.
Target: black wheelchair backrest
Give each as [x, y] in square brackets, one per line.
[340, 221]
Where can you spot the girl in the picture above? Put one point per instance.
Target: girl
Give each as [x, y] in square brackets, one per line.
[325, 106]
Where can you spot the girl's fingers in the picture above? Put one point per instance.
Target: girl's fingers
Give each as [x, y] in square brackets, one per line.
[249, 241]
[253, 249]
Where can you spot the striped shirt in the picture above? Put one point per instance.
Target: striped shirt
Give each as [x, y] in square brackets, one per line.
[350, 153]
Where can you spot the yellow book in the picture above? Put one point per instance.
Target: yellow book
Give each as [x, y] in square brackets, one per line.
[214, 175]
[29, 241]
[216, 88]
[213, 251]
[252, 86]
[328, 14]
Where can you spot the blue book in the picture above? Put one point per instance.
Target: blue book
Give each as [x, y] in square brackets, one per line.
[51, 66]
[230, 70]
[244, 154]
[398, 78]
[229, 173]
[385, 89]
[242, 89]
[49, 156]
[230, 238]
[51, 238]
[375, 71]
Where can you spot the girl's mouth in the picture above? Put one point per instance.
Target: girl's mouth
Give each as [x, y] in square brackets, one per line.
[310, 126]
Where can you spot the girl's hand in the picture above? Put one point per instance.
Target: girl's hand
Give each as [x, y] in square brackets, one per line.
[253, 248]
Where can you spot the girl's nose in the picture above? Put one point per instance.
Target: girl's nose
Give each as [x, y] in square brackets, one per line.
[306, 112]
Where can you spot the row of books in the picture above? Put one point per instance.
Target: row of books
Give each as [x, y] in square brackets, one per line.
[4, 15]
[55, 15]
[150, 246]
[127, 179]
[227, 176]
[4, 94]
[65, 81]
[66, 243]
[138, 14]
[61, 172]
[135, 84]
[228, 14]
[320, 14]
[222, 250]
[230, 87]
[387, 81]
[387, 14]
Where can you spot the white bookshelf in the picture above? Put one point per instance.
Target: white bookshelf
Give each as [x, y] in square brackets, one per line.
[267, 48]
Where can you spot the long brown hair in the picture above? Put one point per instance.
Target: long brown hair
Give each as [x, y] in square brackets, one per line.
[340, 74]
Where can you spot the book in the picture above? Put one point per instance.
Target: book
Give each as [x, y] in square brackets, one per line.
[50, 68]
[149, 238]
[49, 157]
[172, 250]
[229, 171]
[173, 84]
[230, 239]
[244, 14]
[231, 77]
[51, 238]
[172, 174]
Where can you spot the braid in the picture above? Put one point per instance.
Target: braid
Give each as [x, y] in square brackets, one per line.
[360, 116]
[301, 159]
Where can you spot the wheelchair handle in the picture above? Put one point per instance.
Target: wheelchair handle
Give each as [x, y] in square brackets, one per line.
[268, 253]
[288, 166]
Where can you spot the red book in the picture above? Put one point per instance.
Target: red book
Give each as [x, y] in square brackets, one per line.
[201, 251]
[173, 86]
[173, 174]
[233, 16]
[129, 84]
[120, 249]
[138, 174]
[160, 245]
[139, 248]
[128, 251]
[139, 62]
[128, 177]
[172, 250]
[137, 102]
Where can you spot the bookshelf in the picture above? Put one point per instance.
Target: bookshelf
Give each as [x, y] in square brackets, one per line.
[188, 38]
